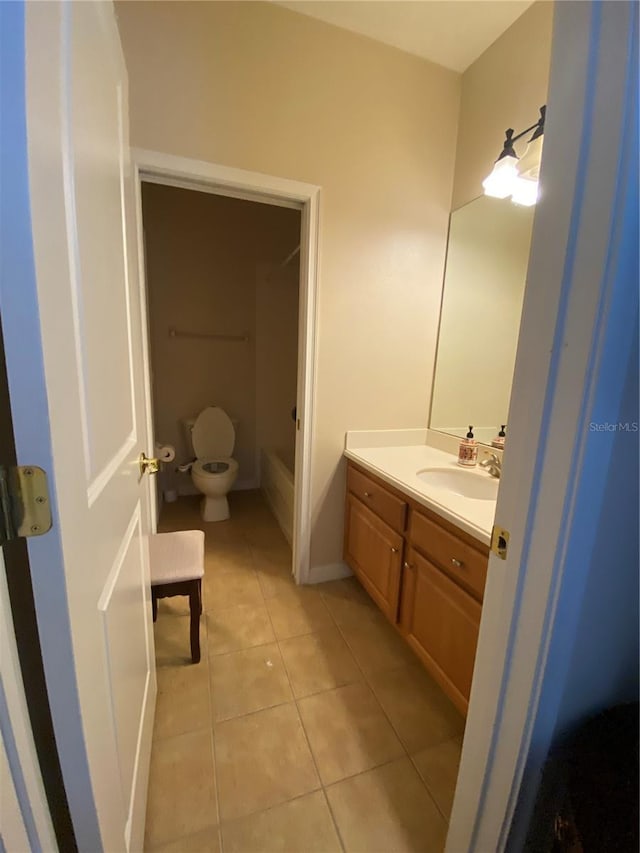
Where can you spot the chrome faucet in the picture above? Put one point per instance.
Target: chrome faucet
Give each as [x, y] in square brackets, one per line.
[493, 464]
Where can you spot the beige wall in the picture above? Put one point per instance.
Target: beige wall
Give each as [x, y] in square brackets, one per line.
[256, 86]
[202, 254]
[504, 88]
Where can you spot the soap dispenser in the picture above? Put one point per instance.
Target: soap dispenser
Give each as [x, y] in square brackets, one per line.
[498, 441]
[468, 450]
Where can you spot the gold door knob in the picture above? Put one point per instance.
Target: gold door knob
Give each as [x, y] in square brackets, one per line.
[148, 465]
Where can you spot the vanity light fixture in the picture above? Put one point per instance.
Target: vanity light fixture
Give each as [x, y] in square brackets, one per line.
[516, 177]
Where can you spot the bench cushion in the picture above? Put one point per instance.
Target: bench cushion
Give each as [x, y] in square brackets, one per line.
[176, 557]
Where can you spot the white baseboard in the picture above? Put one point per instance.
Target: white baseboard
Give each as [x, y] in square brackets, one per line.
[328, 572]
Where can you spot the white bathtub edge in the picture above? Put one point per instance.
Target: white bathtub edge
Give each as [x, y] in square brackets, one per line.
[277, 486]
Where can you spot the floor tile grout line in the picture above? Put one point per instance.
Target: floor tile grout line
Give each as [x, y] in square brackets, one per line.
[205, 611]
[378, 703]
[329, 689]
[435, 802]
[384, 763]
[358, 680]
[341, 841]
[317, 769]
[363, 678]
[321, 788]
[243, 649]
[271, 642]
[213, 721]
[308, 742]
[297, 797]
[210, 691]
[251, 713]
[211, 706]
[322, 784]
[294, 701]
[388, 718]
[198, 730]
[369, 685]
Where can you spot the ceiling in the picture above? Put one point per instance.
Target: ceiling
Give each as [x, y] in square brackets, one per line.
[452, 33]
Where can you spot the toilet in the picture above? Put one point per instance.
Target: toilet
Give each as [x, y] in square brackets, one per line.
[212, 437]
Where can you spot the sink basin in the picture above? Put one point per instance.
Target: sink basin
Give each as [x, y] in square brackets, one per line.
[463, 483]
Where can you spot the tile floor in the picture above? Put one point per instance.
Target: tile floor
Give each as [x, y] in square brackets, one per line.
[307, 726]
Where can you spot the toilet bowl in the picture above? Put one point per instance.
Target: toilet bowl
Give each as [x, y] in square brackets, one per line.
[212, 437]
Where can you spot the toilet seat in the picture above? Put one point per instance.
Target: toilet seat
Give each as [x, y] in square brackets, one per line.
[201, 469]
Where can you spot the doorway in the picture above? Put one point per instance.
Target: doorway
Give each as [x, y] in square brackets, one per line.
[263, 191]
[223, 301]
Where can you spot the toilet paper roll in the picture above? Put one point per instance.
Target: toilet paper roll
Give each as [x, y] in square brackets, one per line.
[165, 452]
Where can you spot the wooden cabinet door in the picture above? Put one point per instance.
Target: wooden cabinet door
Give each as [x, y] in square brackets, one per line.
[374, 551]
[441, 622]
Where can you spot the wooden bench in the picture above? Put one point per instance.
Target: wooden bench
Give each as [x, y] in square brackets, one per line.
[177, 567]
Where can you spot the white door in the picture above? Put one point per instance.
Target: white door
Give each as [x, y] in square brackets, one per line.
[91, 420]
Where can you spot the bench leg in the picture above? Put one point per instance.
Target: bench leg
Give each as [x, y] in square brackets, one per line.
[195, 606]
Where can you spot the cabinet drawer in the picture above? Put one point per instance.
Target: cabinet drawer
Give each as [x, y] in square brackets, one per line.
[461, 561]
[391, 509]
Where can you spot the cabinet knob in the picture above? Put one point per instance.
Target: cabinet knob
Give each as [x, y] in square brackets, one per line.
[394, 550]
[408, 565]
[368, 495]
[457, 563]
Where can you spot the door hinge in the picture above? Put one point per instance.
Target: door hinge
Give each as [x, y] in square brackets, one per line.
[25, 508]
[500, 542]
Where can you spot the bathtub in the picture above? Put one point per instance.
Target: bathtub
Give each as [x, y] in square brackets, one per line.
[276, 482]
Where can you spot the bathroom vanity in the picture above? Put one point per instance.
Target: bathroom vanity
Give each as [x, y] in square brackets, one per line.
[417, 525]
[421, 552]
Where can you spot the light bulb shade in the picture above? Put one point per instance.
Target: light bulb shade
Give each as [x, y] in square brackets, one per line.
[504, 174]
[525, 192]
[529, 163]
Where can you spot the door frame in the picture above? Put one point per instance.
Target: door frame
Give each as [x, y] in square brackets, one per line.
[185, 173]
[576, 335]
[18, 740]
[26, 724]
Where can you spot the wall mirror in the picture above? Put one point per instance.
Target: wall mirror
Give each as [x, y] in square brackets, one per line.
[487, 258]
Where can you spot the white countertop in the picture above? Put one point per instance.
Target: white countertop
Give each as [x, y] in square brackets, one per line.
[398, 464]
